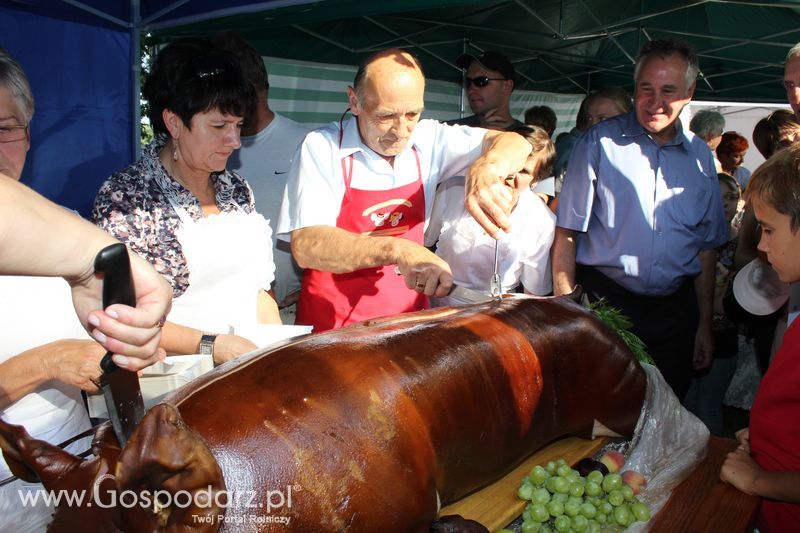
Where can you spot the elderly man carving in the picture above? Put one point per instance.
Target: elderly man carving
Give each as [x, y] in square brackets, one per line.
[385, 161]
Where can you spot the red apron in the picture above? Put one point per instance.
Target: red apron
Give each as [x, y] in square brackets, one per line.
[329, 301]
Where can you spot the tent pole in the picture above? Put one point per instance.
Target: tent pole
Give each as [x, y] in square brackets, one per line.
[462, 105]
[136, 63]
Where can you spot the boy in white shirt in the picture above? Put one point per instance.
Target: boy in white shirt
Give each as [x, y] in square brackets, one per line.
[524, 253]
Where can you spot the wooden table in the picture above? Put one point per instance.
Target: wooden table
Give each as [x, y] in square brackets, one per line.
[701, 503]
[704, 503]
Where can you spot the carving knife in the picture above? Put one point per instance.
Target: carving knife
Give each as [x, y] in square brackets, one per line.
[468, 295]
[120, 387]
[494, 284]
[462, 293]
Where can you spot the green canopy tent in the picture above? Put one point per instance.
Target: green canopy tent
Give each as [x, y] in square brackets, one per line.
[82, 56]
[558, 46]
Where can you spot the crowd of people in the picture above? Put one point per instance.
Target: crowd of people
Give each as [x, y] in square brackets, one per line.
[235, 215]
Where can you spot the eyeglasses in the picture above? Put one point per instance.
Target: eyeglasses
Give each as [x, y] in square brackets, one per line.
[10, 134]
[480, 81]
[213, 64]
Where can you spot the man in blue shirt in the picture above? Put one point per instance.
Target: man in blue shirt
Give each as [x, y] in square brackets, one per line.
[640, 216]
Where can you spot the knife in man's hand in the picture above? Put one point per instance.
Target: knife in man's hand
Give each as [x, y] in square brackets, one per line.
[494, 283]
[120, 386]
[468, 295]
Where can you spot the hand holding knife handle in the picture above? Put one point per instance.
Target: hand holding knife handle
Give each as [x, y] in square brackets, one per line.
[121, 389]
[114, 263]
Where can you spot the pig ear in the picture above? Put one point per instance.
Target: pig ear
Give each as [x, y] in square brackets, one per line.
[164, 454]
[34, 460]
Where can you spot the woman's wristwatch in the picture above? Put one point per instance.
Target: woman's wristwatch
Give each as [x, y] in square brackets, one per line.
[206, 346]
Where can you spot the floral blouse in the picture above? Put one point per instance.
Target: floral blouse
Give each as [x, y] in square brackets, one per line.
[134, 206]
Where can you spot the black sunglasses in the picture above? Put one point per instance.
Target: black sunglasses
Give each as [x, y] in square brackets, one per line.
[480, 81]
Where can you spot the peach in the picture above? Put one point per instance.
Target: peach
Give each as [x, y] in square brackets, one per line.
[613, 460]
[634, 480]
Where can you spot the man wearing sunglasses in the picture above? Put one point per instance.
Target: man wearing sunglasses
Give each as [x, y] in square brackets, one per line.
[489, 83]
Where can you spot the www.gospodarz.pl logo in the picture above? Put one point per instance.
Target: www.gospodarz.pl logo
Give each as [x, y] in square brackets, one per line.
[207, 498]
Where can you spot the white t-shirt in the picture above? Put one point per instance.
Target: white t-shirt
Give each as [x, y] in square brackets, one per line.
[264, 160]
[315, 188]
[524, 253]
[35, 311]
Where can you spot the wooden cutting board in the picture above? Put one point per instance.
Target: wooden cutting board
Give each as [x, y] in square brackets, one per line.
[497, 505]
[700, 503]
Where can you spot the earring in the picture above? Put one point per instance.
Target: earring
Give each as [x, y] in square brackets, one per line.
[175, 151]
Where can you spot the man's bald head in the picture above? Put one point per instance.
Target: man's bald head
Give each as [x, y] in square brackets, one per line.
[388, 98]
[384, 58]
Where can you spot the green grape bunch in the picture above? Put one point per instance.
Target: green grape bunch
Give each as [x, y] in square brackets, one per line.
[560, 499]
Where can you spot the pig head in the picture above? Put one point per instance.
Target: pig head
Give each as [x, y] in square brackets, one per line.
[366, 428]
[126, 490]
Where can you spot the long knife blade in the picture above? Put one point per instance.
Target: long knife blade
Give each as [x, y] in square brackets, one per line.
[120, 387]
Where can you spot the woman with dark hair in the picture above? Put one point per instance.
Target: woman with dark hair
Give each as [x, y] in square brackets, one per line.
[776, 131]
[193, 220]
[542, 116]
[730, 152]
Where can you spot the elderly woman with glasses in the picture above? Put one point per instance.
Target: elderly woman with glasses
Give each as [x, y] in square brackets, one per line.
[16, 110]
[45, 357]
[183, 211]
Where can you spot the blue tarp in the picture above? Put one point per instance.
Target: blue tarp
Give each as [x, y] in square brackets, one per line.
[80, 76]
[78, 59]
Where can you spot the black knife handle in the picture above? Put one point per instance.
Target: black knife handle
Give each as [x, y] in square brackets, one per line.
[115, 265]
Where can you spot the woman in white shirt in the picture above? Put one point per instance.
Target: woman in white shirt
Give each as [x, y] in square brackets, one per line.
[193, 220]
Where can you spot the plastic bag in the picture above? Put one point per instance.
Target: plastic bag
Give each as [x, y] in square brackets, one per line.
[668, 444]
